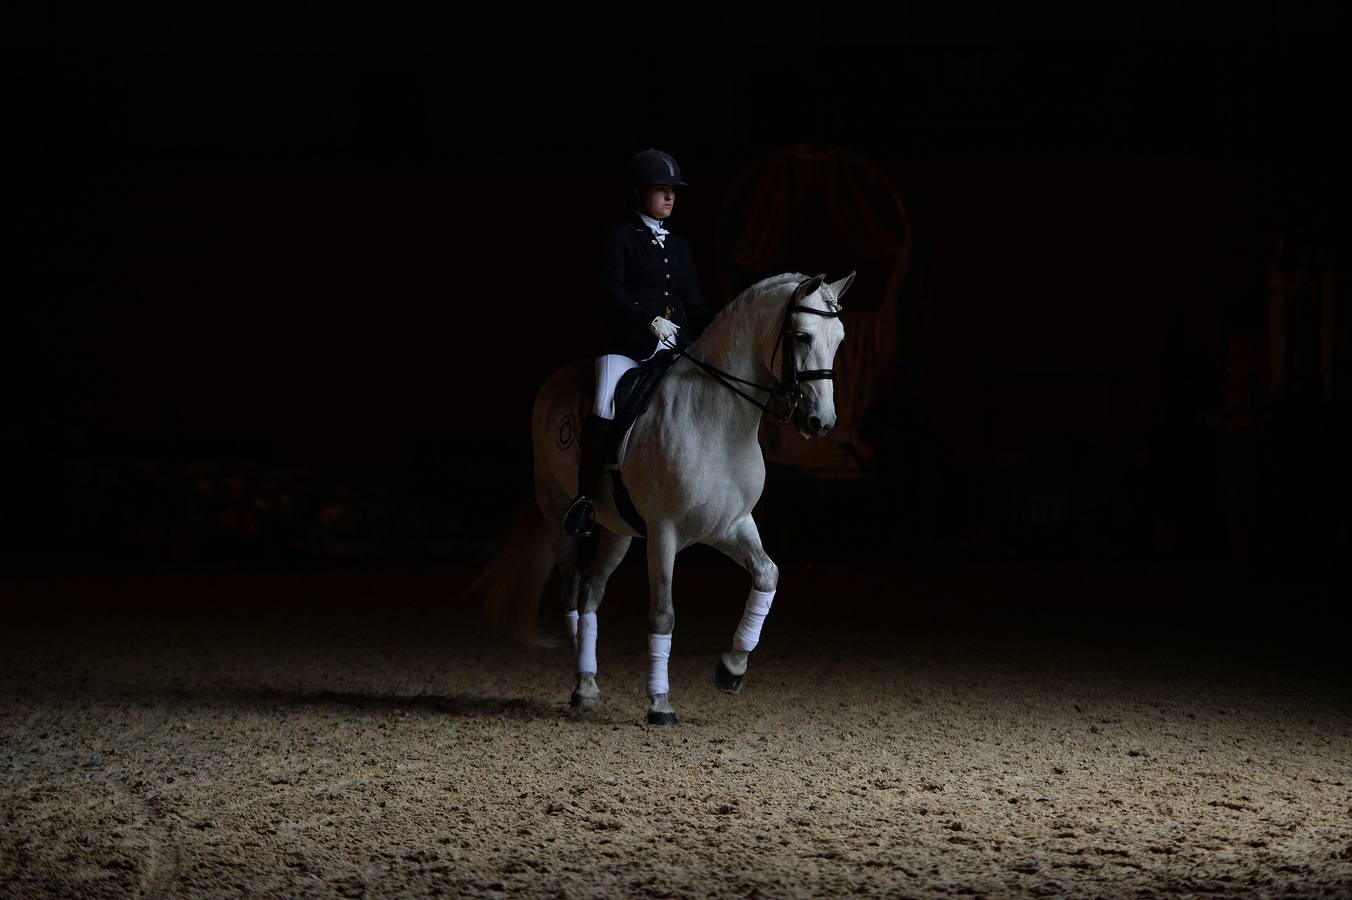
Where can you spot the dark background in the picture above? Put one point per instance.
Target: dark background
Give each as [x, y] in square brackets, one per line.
[282, 282]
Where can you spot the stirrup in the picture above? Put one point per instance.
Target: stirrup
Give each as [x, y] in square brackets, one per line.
[580, 517]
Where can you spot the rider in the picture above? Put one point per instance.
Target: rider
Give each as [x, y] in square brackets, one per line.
[649, 292]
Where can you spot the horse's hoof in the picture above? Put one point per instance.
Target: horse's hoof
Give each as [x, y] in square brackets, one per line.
[662, 718]
[725, 681]
[582, 701]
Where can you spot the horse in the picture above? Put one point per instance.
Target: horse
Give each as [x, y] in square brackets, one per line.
[694, 471]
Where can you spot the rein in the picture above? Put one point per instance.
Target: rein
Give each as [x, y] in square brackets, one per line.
[787, 391]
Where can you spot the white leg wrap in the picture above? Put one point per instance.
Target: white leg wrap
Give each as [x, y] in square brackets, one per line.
[659, 651]
[586, 643]
[570, 626]
[748, 630]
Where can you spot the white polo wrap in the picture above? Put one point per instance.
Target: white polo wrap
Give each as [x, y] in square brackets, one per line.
[749, 629]
[659, 652]
[586, 643]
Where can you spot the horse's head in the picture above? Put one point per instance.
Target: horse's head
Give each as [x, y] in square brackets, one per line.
[812, 334]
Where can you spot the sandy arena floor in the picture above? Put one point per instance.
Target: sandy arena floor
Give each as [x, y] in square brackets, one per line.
[342, 734]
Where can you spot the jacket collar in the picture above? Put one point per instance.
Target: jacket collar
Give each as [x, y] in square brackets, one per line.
[640, 226]
[636, 220]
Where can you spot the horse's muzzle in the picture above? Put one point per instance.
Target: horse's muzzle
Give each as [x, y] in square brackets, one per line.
[812, 426]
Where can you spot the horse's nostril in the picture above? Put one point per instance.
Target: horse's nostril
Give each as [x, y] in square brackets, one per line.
[815, 422]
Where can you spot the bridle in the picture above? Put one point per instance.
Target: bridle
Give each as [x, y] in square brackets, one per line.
[787, 391]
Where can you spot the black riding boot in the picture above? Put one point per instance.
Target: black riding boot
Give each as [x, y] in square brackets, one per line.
[595, 440]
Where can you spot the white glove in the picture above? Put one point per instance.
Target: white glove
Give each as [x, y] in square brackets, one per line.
[665, 329]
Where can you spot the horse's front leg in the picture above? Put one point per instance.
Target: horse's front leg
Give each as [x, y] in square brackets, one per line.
[662, 547]
[743, 544]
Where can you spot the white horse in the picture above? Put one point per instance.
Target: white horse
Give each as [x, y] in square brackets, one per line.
[693, 468]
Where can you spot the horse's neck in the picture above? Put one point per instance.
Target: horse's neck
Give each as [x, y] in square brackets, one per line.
[737, 344]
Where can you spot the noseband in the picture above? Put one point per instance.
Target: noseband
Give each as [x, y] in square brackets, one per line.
[787, 391]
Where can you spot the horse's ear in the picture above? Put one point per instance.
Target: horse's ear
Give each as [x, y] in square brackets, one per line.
[840, 287]
[809, 287]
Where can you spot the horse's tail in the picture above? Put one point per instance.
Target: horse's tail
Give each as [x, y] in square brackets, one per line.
[514, 577]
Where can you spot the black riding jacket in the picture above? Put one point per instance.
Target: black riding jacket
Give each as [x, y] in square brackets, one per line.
[641, 279]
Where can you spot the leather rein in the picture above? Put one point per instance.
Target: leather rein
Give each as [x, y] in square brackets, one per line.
[787, 392]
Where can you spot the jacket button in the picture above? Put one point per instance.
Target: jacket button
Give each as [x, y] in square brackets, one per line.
[664, 293]
[666, 260]
[668, 274]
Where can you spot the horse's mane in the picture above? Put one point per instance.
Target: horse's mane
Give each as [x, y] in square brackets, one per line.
[756, 290]
[748, 297]
[753, 294]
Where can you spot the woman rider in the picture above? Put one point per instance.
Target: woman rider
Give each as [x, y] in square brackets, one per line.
[650, 296]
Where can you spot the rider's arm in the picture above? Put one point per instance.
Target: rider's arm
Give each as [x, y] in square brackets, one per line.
[615, 297]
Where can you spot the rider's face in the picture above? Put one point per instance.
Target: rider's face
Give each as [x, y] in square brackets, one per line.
[657, 200]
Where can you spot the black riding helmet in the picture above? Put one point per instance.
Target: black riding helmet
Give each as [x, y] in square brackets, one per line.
[655, 167]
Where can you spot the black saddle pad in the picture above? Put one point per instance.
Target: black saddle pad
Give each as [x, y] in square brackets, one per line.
[635, 391]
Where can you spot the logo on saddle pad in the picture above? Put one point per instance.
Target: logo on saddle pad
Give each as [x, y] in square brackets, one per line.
[567, 433]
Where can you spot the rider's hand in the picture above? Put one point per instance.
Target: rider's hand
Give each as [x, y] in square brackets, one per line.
[664, 329]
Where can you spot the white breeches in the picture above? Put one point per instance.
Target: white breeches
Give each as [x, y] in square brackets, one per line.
[609, 370]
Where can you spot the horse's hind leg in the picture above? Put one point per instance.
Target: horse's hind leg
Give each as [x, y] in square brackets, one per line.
[610, 550]
[743, 544]
[565, 557]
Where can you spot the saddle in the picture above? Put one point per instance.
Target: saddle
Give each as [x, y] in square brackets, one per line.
[632, 396]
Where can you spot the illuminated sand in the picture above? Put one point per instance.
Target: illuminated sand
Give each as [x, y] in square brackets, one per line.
[333, 735]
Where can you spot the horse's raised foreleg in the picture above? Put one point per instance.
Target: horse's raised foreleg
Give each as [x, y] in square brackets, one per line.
[610, 550]
[743, 544]
[662, 547]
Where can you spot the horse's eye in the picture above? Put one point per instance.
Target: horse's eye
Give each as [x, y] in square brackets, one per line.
[804, 339]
